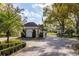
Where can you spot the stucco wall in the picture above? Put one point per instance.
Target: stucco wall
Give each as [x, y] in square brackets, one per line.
[29, 31]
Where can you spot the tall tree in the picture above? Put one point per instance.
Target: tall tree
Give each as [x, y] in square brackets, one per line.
[58, 13]
[75, 11]
[10, 20]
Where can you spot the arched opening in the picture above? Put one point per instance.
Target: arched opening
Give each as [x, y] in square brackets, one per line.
[34, 33]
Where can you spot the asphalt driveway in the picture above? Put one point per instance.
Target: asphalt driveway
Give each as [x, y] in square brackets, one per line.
[51, 46]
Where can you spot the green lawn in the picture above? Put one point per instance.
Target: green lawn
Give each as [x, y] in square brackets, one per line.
[51, 33]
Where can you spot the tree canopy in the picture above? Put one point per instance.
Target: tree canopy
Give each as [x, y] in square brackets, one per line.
[10, 19]
[64, 14]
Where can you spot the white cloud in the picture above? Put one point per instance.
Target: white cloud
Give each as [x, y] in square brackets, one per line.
[41, 5]
[31, 19]
[31, 13]
[37, 5]
[47, 4]
[37, 21]
[32, 16]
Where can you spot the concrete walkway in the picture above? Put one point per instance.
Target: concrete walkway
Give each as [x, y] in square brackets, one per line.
[51, 46]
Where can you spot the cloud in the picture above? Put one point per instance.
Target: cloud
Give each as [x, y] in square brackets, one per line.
[32, 16]
[37, 5]
[31, 13]
[38, 8]
[47, 4]
[37, 21]
[41, 5]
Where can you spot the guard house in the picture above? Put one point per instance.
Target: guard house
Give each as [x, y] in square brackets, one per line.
[32, 30]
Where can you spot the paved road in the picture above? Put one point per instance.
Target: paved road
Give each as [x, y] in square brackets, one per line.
[51, 46]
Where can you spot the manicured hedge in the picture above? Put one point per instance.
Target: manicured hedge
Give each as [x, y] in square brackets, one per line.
[11, 50]
[11, 47]
[11, 43]
[4, 46]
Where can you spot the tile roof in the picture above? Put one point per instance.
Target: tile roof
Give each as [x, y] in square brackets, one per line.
[31, 24]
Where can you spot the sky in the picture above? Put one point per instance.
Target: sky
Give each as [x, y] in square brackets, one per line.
[33, 11]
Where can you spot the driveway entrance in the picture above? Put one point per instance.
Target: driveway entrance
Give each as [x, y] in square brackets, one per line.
[51, 46]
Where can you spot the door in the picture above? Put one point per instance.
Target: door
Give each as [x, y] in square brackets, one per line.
[29, 33]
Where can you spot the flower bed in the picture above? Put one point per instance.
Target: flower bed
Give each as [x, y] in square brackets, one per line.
[9, 48]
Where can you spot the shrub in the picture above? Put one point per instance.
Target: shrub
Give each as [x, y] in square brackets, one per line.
[5, 45]
[12, 41]
[1, 47]
[59, 34]
[13, 49]
[34, 34]
[69, 32]
[6, 51]
[41, 34]
[23, 33]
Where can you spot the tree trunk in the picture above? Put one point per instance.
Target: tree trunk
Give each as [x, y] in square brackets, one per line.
[62, 28]
[8, 34]
[76, 27]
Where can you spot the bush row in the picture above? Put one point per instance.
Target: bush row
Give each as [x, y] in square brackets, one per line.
[67, 33]
[7, 45]
[11, 43]
[10, 50]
